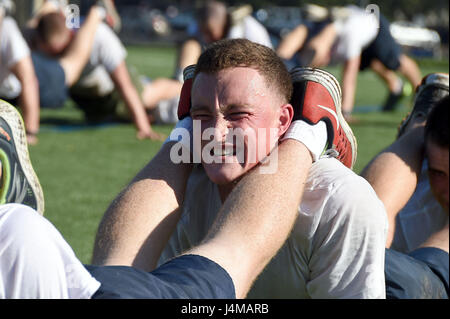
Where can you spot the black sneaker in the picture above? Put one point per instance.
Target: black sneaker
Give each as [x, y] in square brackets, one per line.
[392, 100]
[433, 88]
[18, 183]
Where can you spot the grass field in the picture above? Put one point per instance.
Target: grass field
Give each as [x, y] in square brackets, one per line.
[82, 168]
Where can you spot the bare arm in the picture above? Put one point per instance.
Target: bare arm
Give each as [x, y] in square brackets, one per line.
[251, 226]
[292, 42]
[29, 98]
[127, 90]
[322, 44]
[139, 222]
[394, 174]
[349, 82]
[189, 53]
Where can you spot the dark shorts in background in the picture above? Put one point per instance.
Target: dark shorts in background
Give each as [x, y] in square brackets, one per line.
[53, 92]
[422, 274]
[384, 48]
[186, 277]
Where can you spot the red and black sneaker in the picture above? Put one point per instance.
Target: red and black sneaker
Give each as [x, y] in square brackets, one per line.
[184, 106]
[317, 97]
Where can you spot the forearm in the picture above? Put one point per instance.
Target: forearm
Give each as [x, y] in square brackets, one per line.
[292, 42]
[252, 226]
[189, 54]
[349, 82]
[394, 173]
[29, 97]
[128, 92]
[139, 222]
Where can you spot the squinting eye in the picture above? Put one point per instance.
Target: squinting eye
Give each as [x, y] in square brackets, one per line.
[237, 115]
[436, 174]
[201, 117]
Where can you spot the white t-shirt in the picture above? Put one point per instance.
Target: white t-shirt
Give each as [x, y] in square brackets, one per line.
[35, 260]
[13, 48]
[107, 53]
[248, 28]
[354, 33]
[421, 217]
[336, 249]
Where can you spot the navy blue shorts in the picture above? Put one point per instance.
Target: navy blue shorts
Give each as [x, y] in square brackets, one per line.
[384, 48]
[53, 92]
[185, 277]
[422, 274]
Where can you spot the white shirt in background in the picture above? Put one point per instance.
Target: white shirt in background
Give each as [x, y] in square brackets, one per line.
[354, 34]
[13, 48]
[421, 217]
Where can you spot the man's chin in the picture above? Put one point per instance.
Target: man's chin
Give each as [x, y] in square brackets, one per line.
[223, 176]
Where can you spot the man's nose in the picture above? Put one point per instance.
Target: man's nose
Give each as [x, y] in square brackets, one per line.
[221, 128]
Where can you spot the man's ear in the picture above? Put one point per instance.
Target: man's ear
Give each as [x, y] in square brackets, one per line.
[285, 118]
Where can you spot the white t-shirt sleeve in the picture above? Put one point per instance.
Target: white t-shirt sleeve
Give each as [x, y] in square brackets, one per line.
[354, 34]
[107, 50]
[35, 260]
[13, 48]
[358, 226]
[13, 45]
[249, 28]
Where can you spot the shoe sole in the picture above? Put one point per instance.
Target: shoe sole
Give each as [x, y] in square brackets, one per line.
[332, 85]
[15, 122]
[422, 87]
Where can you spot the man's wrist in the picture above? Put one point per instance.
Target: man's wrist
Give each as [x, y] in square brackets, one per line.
[314, 137]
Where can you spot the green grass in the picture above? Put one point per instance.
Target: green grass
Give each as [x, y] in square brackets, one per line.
[82, 170]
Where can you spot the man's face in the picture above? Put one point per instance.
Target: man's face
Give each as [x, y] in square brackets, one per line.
[233, 101]
[213, 29]
[438, 167]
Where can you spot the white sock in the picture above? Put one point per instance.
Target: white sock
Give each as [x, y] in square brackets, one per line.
[314, 137]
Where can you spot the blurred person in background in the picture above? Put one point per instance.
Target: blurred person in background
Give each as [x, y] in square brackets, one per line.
[214, 21]
[95, 69]
[357, 39]
[18, 82]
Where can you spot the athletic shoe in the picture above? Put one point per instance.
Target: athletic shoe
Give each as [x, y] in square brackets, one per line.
[184, 106]
[112, 16]
[393, 99]
[317, 97]
[19, 183]
[433, 88]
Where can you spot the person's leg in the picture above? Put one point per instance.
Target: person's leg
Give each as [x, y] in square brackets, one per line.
[409, 69]
[419, 275]
[36, 261]
[389, 77]
[158, 90]
[77, 54]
